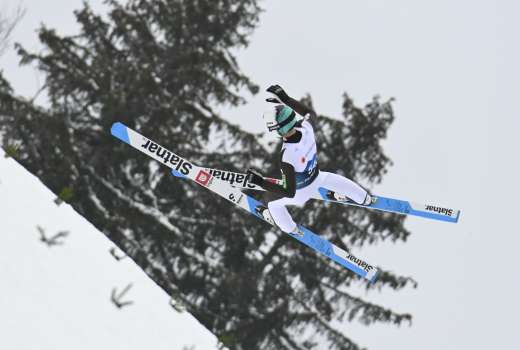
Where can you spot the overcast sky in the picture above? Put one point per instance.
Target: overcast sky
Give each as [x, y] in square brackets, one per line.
[453, 67]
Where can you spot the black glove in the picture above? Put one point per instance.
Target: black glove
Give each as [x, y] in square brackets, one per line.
[279, 92]
[273, 100]
[254, 177]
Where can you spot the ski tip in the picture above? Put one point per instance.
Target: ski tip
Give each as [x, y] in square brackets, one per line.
[457, 217]
[120, 131]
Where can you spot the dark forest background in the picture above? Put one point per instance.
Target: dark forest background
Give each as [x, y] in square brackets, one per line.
[163, 67]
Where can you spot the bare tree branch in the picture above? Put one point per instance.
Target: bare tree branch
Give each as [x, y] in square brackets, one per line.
[7, 25]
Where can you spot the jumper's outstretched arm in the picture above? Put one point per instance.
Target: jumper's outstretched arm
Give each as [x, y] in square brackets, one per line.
[283, 97]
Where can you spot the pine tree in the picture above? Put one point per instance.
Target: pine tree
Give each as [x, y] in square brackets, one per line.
[162, 67]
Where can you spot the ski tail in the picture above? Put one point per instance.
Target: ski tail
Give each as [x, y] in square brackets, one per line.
[398, 206]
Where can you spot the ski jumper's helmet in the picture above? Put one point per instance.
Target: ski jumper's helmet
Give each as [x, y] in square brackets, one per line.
[282, 119]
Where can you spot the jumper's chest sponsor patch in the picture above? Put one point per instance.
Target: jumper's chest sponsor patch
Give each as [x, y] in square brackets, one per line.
[178, 163]
[440, 210]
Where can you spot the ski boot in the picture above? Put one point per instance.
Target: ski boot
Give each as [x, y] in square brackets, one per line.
[369, 200]
[297, 232]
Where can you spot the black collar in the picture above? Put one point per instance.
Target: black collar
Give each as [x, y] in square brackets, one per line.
[295, 138]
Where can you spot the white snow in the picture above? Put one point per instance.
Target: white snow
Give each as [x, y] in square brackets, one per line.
[58, 298]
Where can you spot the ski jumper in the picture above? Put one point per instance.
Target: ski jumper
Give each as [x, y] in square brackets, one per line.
[302, 156]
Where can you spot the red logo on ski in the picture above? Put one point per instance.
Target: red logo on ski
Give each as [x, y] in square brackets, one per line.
[203, 178]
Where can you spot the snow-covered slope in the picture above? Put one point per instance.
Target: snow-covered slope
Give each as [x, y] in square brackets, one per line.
[59, 297]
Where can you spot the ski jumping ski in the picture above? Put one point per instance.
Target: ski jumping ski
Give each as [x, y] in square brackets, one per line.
[202, 176]
[429, 211]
